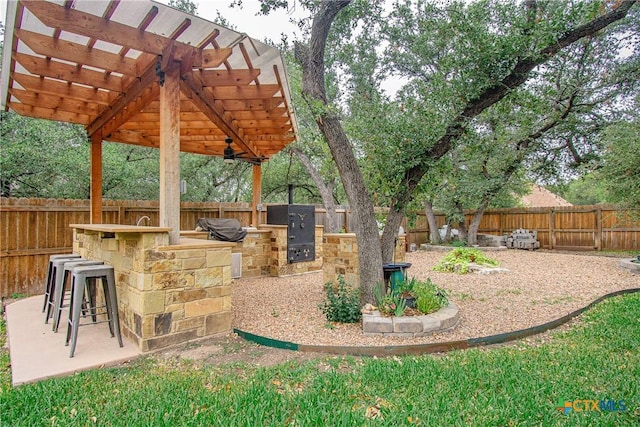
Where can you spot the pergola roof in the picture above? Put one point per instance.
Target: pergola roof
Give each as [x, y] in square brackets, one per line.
[100, 64]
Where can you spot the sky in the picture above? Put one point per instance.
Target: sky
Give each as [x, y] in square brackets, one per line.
[246, 20]
[243, 20]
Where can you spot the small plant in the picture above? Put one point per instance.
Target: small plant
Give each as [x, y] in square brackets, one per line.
[390, 303]
[400, 306]
[405, 287]
[458, 260]
[429, 297]
[342, 303]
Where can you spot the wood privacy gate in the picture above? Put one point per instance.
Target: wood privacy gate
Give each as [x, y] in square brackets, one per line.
[33, 229]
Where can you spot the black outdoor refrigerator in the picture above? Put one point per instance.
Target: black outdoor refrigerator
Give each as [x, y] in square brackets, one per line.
[301, 229]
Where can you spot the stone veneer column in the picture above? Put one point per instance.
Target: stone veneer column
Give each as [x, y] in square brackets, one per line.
[341, 257]
[280, 265]
[256, 253]
[167, 294]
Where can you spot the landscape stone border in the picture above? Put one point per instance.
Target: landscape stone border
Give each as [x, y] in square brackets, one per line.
[374, 324]
[443, 248]
[628, 264]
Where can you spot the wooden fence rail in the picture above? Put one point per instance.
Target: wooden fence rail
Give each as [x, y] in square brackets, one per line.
[33, 229]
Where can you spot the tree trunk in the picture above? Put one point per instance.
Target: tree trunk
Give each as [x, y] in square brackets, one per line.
[332, 221]
[448, 231]
[434, 233]
[366, 228]
[390, 234]
[462, 224]
[472, 237]
[313, 89]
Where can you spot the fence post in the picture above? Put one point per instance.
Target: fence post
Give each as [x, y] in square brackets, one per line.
[598, 233]
[346, 221]
[552, 231]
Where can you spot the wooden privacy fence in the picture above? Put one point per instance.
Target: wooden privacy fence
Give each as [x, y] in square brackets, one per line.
[599, 227]
[33, 229]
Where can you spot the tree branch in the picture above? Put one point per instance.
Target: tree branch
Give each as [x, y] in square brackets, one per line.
[496, 92]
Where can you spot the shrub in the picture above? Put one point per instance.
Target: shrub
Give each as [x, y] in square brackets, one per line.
[429, 297]
[342, 303]
[427, 304]
[458, 260]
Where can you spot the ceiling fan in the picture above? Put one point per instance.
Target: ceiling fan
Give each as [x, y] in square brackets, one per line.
[230, 155]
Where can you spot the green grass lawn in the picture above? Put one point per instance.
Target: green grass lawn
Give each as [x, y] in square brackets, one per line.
[513, 385]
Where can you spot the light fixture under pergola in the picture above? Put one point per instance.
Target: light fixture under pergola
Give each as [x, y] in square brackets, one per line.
[230, 155]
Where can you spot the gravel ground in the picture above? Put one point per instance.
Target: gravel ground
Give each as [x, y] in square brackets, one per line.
[538, 287]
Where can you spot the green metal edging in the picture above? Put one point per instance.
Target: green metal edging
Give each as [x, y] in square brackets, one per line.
[267, 342]
[417, 349]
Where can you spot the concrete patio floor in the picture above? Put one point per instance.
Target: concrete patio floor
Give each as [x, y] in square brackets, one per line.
[38, 353]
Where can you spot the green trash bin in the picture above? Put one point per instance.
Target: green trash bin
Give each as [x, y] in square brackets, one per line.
[395, 273]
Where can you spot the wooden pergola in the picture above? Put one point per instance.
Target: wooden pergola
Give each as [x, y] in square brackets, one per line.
[140, 72]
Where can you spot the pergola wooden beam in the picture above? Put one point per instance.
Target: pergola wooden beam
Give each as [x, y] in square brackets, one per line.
[51, 87]
[253, 104]
[193, 89]
[132, 137]
[125, 107]
[57, 103]
[79, 53]
[227, 77]
[92, 26]
[116, 108]
[58, 70]
[49, 114]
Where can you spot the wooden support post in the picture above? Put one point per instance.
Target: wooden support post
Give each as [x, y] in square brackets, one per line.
[170, 151]
[257, 195]
[96, 179]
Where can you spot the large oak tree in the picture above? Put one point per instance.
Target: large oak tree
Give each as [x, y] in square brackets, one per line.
[505, 57]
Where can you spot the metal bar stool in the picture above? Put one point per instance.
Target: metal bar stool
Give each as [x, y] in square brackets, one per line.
[48, 295]
[61, 287]
[81, 277]
[56, 266]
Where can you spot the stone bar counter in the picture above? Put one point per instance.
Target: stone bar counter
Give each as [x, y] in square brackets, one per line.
[167, 294]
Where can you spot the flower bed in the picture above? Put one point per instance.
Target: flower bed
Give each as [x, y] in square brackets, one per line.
[410, 326]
